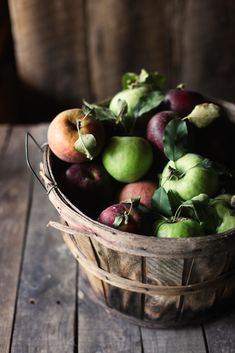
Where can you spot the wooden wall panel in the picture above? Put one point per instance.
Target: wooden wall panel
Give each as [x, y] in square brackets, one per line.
[67, 50]
[50, 47]
[209, 47]
[125, 36]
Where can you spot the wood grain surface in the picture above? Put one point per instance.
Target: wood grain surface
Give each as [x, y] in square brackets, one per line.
[14, 200]
[45, 260]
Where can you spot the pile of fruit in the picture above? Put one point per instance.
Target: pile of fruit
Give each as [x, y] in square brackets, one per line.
[147, 161]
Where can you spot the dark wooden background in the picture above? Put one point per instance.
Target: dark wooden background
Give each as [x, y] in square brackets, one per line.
[62, 51]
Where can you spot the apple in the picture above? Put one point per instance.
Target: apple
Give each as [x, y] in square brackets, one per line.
[88, 186]
[182, 101]
[131, 96]
[75, 137]
[125, 217]
[127, 158]
[178, 228]
[190, 176]
[143, 189]
[225, 212]
[156, 128]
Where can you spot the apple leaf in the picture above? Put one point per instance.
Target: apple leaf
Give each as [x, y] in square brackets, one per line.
[119, 219]
[154, 80]
[174, 199]
[148, 103]
[204, 114]
[101, 113]
[175, 139]
[161, 202]
[199, 209]
[121, 117]
[86, 144]
[128, 79]
[218, 168]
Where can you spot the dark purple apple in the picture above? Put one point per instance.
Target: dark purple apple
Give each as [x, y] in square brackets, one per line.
[88, 186]
[125, 217]
[182, 101]
[156, 127]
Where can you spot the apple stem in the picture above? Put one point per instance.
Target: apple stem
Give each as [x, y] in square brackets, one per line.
[177, 213]
[174, 173]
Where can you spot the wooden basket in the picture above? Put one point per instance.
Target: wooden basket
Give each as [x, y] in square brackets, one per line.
[153, 282]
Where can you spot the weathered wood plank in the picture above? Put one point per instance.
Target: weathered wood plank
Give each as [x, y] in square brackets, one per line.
[14, 203]
[99, 332]
[187, 340]
[86, 247]
[220, 334]
[45, 316]
[169, 271]
[126, 266]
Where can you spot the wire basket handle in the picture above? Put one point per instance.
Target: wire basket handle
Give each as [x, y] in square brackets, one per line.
[29, 164]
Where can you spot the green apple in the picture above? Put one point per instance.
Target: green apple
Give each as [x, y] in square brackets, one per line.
[179, 228]
[131, 96]
[226, 215]
[127, 158]
[190, 176]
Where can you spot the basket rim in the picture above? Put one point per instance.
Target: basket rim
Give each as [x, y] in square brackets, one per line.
[196, 245]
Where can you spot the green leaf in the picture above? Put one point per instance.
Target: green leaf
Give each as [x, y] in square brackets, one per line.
[128, 79]
[148, 103]
[175, 139]
[204, 114]
[98, 112]
[155, 80]
[121, 116]
[119, 219]
[218, 168]
[199, 209]
[86, 144]
[161, 202]
[174, 199]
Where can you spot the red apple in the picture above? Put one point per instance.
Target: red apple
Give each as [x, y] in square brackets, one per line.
[156, 128]
[125, 217]
[182, 101]
[88, 186]
[143, 189]
[75, 137]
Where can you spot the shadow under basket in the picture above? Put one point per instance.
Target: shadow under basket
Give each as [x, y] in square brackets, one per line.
[152, 282]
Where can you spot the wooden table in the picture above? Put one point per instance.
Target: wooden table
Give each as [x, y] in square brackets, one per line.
[43, 304]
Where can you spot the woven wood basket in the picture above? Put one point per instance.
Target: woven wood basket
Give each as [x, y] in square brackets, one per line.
[152, 282]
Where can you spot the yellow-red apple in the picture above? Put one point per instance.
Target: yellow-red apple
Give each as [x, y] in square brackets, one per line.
[75, 137]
